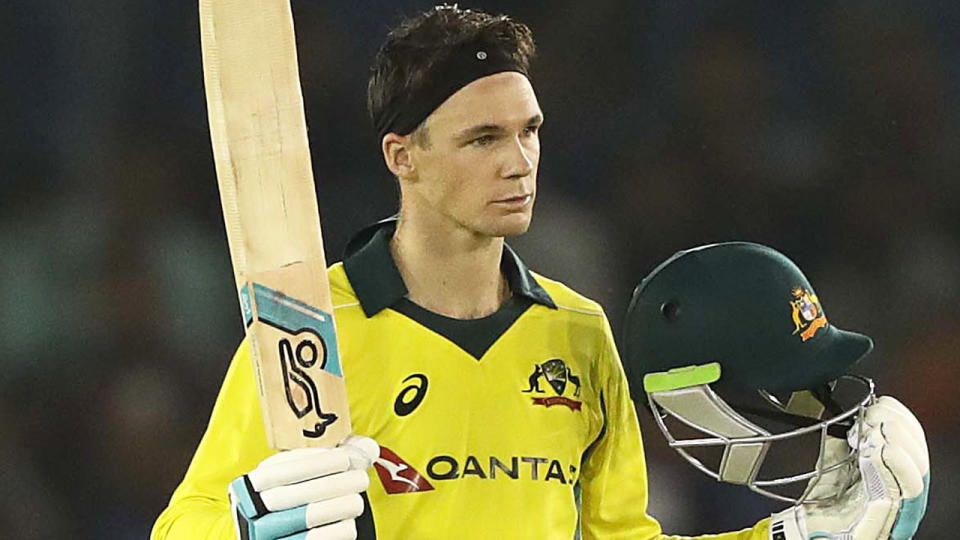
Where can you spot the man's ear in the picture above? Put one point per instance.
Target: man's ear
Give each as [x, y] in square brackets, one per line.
[396, 154]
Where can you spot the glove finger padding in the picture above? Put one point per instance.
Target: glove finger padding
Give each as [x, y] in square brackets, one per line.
[315, 490]
[907, 457]
[333, 510]
[298, 465]
[902, 428]
[876, 522]
[301, 518]
[893, 482]
[903, 462]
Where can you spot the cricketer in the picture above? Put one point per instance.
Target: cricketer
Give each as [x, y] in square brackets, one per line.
[490, 400]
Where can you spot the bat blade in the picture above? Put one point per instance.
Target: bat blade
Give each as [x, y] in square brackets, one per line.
[259, 136]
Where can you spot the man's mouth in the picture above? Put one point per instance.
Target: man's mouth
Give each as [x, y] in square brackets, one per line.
[519, 200]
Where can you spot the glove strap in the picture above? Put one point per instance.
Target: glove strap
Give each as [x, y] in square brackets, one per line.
[247, 499]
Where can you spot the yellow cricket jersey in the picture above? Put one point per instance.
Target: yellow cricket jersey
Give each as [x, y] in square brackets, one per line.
[515, 426]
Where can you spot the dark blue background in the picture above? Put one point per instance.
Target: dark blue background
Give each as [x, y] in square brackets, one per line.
[827, 130]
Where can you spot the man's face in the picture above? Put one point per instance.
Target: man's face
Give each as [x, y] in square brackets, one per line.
[478, 165]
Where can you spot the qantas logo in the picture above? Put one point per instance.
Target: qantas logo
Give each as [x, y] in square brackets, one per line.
[515, 468]
[397, 476]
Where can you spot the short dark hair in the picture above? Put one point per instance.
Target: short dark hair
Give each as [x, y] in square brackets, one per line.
[418, 44]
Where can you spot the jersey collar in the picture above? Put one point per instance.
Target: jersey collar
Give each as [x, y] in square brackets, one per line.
[376, 280]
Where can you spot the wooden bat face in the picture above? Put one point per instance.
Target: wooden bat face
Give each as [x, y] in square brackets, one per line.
[259, 136]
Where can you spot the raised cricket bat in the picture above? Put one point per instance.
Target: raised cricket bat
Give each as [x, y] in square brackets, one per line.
[259, 136]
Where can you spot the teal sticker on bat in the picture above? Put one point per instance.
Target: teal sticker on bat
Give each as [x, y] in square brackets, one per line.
[293, 317]
[245, 305]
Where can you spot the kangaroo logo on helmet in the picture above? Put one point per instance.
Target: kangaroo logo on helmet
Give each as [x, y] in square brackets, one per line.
[808, 316]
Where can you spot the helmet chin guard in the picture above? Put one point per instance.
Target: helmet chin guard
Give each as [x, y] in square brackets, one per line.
[685, 394]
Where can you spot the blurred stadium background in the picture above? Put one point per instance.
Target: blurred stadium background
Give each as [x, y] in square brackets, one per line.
[828, 130]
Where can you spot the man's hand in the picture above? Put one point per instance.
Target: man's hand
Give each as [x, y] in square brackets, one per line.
[315, 491]
[890, 496]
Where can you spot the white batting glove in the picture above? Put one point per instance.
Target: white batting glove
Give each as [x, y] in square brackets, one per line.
[311, 491]
[889, 498]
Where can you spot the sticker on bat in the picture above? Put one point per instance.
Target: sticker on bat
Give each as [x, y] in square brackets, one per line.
[307, 343]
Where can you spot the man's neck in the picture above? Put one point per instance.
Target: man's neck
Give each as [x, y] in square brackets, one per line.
[449, 270]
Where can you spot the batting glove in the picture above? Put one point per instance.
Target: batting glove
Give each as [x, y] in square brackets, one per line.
[889, 497]
[304, 494]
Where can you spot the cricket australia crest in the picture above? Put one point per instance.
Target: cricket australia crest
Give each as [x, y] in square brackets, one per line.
[808, 316]
[561, 380]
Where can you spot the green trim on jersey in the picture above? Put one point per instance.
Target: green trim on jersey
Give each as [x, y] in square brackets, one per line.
[377, 283]
[475, 336]
[375, 279]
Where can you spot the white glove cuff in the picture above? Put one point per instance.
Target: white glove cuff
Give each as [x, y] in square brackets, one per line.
[790, 524]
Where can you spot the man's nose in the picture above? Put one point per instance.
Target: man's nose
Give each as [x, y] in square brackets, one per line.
[519, 161]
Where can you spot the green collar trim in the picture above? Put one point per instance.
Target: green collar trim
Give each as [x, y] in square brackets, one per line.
[376, 280]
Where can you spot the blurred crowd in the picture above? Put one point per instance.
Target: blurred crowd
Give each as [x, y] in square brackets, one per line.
[826, 130]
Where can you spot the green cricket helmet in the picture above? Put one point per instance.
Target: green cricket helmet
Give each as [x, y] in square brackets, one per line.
[732, 318]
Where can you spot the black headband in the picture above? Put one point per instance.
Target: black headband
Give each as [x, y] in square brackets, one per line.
[468, 63]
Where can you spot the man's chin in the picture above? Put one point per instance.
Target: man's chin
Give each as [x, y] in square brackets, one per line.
[500, 226]
[510, 226]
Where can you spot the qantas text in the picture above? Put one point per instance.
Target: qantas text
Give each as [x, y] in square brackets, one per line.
[444, 467]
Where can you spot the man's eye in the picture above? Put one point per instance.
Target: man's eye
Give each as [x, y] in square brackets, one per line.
[531, 130]
[482, 141]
